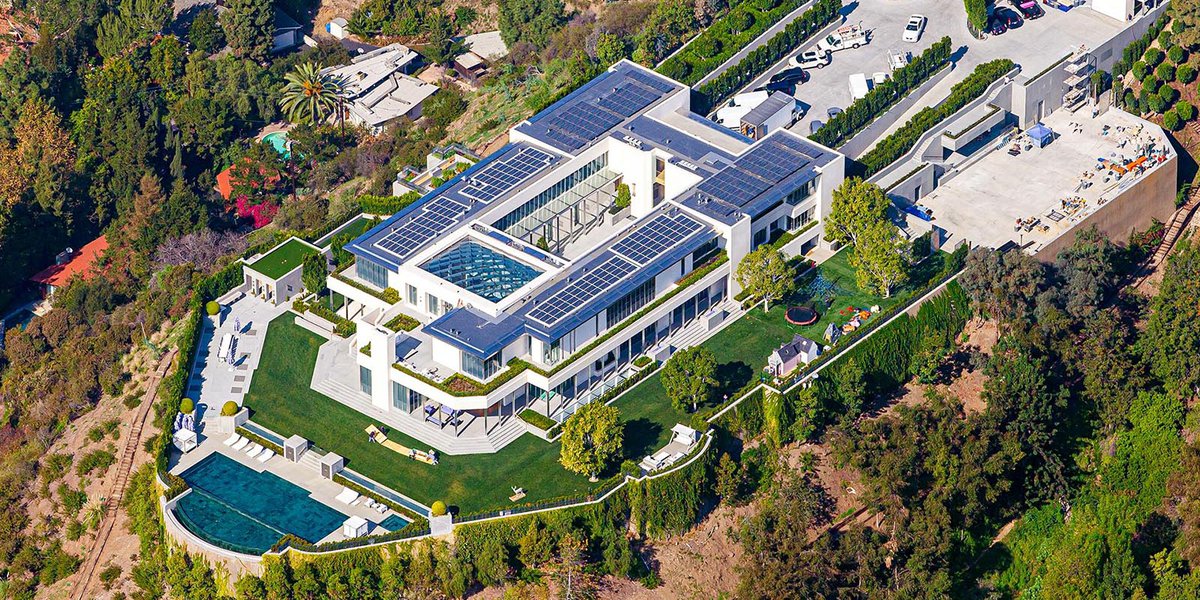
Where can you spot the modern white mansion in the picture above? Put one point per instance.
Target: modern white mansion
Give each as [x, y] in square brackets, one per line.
[534, 290]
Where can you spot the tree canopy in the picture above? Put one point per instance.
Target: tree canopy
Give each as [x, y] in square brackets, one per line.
[689, 377]
[591, 439]
[856, 206]
[766, 275]
[530, 21]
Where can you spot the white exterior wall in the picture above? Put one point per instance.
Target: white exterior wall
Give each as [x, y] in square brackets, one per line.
[1117, 9]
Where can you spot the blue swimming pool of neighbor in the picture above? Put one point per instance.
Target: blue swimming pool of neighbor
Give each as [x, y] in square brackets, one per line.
[278, 140]
[235, 507]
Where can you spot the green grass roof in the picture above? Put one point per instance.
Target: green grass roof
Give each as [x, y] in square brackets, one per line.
[283, 259]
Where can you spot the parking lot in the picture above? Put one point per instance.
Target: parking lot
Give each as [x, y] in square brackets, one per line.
[1034, 46]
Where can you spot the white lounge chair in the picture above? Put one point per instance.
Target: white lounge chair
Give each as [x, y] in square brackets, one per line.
[242, 443]
[347, 496]
[233, 439]
[254, 450]
[381, 508]
[265, 456]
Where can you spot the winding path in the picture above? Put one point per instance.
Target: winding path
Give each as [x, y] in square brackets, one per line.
[87, 576]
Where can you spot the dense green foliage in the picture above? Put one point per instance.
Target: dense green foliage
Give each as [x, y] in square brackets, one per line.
[760, 59]
[386, 205]
[861, 112]
[725, 37]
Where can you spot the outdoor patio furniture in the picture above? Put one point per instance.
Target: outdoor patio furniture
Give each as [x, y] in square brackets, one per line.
[254, 450]
[265, 456]
[683, 434]
[242, 443]
[233, 439]
[347, 496]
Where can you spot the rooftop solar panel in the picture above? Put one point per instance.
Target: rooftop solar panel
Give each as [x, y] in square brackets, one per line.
[652, 82]
[651, 240]
[426, 223]
[507, 173]
[799, 147]
[733, 186]
[587, 286]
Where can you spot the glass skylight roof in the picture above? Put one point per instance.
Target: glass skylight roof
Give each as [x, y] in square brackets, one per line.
[481, 270]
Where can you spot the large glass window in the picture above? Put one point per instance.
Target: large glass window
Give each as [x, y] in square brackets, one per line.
[480, 368]
[364, 379]
[371, 272]
[802, 193]
[412, 294]
[630, 303]
[432, 304]
[400, 397]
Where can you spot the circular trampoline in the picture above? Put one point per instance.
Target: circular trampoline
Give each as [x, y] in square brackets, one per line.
[801, 315]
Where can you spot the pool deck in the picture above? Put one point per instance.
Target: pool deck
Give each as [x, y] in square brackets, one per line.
[300, 474]
[213, 382]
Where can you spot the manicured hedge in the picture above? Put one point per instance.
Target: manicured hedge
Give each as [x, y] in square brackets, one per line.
[724, 38]
[762, 58]
[386, 205]
[887, 150]
[883, 96]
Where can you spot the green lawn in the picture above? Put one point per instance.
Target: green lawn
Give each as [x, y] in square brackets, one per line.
[281, 400]
[742, 348]
[283, 259]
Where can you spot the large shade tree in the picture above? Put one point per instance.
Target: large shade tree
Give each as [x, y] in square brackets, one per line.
[766, 275]
[689, 377]
[856, 205]
[591, 439]
[310, 96]
[879, 260]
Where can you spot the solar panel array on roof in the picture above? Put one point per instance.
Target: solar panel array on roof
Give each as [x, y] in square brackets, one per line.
[505, 174]
[578, 292]
[586, 120]
[649, 241]
[769, 162]
[430, 221]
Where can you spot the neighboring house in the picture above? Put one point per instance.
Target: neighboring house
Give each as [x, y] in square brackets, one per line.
[225, 182]
[288, 33]
[799, 351]
[756, 114]
[70, 264]
[470, 66]
[487, 45]
[441, 163]
[379, 89]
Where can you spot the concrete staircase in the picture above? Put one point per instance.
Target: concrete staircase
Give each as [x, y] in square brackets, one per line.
[444, 441]
[1175, 229]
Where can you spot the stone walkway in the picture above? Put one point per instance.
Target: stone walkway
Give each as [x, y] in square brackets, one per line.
[214, 382]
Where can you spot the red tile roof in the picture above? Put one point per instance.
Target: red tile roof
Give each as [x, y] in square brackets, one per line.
[225, 182]
[81, 263]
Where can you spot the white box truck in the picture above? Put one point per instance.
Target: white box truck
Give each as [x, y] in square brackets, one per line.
[858, 85]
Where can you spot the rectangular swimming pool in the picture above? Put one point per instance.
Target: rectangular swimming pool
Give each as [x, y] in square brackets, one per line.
[238, 508]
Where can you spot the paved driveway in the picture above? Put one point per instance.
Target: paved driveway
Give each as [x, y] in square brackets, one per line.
[1035, 46]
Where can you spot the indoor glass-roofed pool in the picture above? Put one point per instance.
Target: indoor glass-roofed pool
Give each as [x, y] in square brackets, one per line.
[481, 270]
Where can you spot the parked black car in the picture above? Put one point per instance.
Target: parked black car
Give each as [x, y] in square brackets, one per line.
[793, 76]
[1028, 8]
[1009, 16]
[996, 26]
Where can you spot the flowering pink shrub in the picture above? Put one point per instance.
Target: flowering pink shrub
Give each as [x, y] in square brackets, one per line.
[261, 213]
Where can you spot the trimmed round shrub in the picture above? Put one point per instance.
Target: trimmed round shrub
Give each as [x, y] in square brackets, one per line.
[438, 508]
[1185, 73]
[1185, 110]
[1176, 54]
[1130, 100]
[1140, 70]
[1165, 72]
[1150, 83]
[1177, 26]
[1168, 95]
[187, 405]
[1164, 38]
[390, 295]
[229, 409]
[1153, 102]
[1153, 56]
[212, 308]
[1171, 120]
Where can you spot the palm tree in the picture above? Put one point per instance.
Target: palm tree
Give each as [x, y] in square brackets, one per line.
[310, 96]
